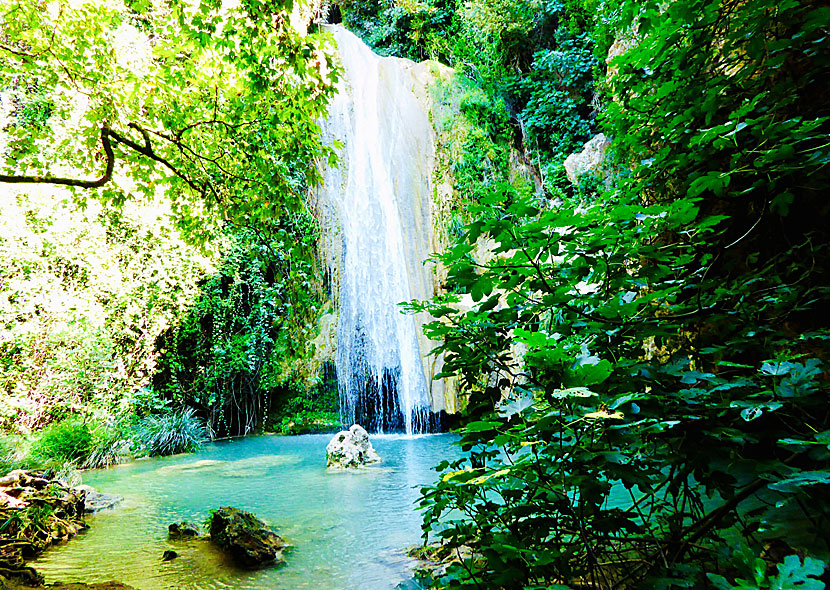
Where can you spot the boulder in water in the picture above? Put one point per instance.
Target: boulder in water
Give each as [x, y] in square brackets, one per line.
[95, 501]
[350, 449]
[183, 530]
[248, 540]
[61, 511]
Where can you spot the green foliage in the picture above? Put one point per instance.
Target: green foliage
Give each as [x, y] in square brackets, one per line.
[534, 60]
[111, 444]
[84, 294]
[205, 119]
[555, 95]
[303, 409]
[662, 421]
[32, 521]
[67, 441]
[248, 335]
[217, 106]
[791, 574]
[174, 431]
[8, 454]
[473, 145]
[415, 29]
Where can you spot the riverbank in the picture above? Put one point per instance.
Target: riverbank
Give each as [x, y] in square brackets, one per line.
[37, 512]
[11, 584]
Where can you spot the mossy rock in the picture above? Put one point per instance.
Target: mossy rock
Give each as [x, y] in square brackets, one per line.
[248, 540]
[184, 530]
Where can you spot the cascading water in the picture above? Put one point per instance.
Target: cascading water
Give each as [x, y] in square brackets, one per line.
[378, 197]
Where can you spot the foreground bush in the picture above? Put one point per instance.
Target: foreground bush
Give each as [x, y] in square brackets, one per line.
[62, 442]
[111, 445]
[8, 455]
[175, 431]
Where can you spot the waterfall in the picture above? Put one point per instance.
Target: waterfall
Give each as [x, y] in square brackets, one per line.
[377, 222]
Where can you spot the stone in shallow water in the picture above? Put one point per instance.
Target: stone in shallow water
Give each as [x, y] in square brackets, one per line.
[194, 466]
[183, 530]
[350, 449]
[95, 501]
[244, 537]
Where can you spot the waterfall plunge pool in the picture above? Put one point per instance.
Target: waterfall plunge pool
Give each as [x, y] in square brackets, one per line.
[348, 529]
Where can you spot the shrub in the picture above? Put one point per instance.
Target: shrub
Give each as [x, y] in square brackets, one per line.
[8, 455]
[67, 441]
[110, 445]
[175, 431]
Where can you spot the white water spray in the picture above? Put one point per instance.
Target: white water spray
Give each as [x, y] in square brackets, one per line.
[376, 199]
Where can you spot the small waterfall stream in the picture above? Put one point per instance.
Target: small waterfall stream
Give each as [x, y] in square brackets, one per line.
[379, 225]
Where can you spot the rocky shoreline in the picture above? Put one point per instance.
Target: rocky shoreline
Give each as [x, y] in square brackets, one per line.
[37, 512]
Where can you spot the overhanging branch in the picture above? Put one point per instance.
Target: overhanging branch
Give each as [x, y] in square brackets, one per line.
[105, 143]
[107, 136]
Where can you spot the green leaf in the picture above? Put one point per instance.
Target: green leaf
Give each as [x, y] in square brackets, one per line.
[793, 574]
[720, 582]
[802, 479]
[516, 406]
[588, 374]
[482, 426]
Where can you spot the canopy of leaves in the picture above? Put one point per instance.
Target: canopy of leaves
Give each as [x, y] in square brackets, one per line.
[156, 114]
[216, 103]
[84, 293]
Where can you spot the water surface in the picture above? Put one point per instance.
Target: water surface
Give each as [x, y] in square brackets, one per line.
[348, 529]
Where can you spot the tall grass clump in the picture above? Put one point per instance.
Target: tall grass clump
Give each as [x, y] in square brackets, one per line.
[67, 441]
[111, 444]
[8, 455]
[174, 431]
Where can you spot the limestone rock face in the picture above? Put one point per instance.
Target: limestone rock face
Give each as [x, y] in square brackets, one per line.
[589, 160]
[350, 449]
[247, 539]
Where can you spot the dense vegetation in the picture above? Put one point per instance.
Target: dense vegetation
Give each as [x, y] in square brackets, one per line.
[157, 281]
[667, 425]
[665, 422]
[243, 352]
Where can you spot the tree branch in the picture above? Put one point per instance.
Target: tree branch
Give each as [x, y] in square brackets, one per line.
[107, 135]
[147, 150]
[105, 143]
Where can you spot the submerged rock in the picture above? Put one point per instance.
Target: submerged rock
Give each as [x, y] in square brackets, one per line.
[101, 586]
[13, 576]
[245, 538]
[434, 559]
[194, 466]
[183, 530]
[350, 449]
[95, 501]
